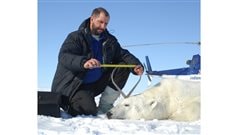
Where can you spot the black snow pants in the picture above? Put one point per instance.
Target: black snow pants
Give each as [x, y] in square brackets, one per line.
[83, 101]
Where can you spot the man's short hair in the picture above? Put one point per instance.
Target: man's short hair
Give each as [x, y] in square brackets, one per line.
[97, 11]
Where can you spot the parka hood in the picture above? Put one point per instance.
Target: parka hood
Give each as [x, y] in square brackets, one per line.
[85, 26]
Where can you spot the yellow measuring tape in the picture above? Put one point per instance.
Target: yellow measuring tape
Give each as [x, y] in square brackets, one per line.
[116, 65]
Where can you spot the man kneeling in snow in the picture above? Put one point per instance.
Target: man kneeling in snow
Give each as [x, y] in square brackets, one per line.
[171, 99]
[79, 76]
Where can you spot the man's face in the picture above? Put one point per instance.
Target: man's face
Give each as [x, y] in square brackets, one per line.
[98, 23]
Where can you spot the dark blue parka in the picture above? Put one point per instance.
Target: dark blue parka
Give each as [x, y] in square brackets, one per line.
[76, 50]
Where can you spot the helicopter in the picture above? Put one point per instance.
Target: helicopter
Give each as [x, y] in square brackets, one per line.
[192, 72]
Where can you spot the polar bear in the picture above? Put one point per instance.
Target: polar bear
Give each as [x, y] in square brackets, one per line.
[172, 98]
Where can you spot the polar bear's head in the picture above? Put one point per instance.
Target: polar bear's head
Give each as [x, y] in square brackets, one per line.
[138, 107]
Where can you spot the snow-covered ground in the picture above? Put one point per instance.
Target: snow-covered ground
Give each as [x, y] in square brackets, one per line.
[100, 125]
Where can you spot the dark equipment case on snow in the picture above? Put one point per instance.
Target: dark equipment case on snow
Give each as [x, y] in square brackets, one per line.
[49, 103]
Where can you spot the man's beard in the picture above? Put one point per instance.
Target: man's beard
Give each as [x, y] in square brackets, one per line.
[95, 30]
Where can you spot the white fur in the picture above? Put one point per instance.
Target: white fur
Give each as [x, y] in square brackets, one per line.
[171, 99]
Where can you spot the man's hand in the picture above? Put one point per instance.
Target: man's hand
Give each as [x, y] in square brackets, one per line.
[92, 63]
[138, 70]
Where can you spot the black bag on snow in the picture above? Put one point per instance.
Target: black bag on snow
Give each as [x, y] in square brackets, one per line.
[49, 103]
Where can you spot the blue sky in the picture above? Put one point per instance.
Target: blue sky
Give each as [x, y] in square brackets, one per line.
[132, 22]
